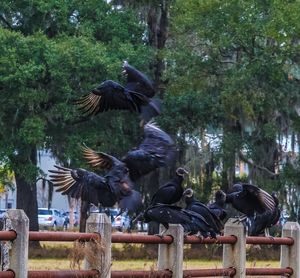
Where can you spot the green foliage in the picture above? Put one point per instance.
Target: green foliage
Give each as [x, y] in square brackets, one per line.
[232, 69]
[52, 52]
[6, 179]
[233, 65]
[32, 130]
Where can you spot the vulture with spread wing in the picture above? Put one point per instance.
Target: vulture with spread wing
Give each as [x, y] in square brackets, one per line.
[156, 150]
[260, 223]
[135, 96]
[254, 203]
[114, 187]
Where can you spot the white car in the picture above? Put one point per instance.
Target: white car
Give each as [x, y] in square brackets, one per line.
[50, 218]
[120, 222]
[142, 226]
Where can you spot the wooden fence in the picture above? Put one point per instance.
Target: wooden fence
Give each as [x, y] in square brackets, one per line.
[99, 238]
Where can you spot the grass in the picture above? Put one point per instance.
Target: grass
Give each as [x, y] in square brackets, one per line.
[64, 264]
[56, 256]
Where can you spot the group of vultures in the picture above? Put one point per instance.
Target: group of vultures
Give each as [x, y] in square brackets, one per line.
[258, 209]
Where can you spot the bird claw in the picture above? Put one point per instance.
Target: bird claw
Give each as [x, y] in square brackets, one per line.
[200, 237]
[185, 234]
[159, 235]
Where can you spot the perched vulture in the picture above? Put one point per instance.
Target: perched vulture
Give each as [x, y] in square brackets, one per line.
[192, 222]
[218, 206]
[194, 205]
[170, 192]
[156, 150]
[135, 96]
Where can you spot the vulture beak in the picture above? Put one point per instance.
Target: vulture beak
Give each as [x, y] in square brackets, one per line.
[185, 171]
[188, 192]
[125, 63]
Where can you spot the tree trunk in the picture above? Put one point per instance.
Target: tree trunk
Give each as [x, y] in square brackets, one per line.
[27, 195]
[266, 156]
[83, 216]
[27, 201]
[157, 20]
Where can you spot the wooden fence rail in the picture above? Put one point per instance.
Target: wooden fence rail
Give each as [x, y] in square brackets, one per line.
[99, 238]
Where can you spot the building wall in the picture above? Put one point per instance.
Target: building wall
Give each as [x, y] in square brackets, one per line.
[8, 199]
[59, 201]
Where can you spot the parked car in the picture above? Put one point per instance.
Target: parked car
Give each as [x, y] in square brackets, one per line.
[50, 218]
[142, 226]
[121, 222]
[66, 216]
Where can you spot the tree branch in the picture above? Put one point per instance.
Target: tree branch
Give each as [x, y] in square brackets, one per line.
[2, 18]
[250, 161]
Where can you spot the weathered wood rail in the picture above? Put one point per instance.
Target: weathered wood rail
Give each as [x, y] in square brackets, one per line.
[170, 250]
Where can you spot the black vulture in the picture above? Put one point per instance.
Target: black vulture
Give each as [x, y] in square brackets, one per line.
[254, 203]
[114, 187]
[167, 194]
[192, 222]
[218, 206]
[261, 222]
[135, 96]
[170, 192]
[194, 205]
[156, 150]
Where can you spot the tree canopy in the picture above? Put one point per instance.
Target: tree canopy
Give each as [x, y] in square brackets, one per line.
[226, 70]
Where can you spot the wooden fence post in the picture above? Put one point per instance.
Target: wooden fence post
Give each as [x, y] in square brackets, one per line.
[170, 256]
[234, 255]
[19, 222]
[101, 253]
[290, 255]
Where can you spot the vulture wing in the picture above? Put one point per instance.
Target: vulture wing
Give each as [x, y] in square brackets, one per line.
[166, 194]
[138, 81]
[208, 215]
[79, 183]
[157, 150]
[262, 200]
[99, 160]
[166, 214]
[110, 95]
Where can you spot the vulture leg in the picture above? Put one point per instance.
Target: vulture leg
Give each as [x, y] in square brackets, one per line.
[162, 233]
[267, 233]
[240, 219]
[200, 236]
